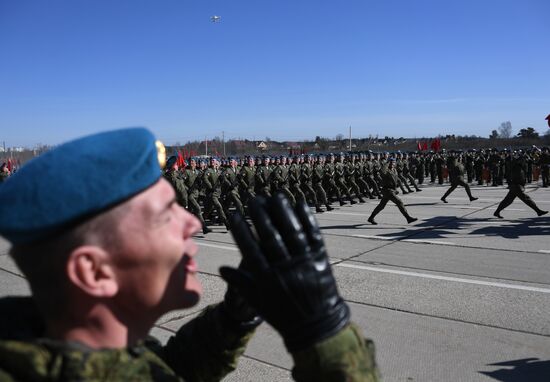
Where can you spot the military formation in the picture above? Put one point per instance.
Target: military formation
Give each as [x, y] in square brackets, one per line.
[211, 188]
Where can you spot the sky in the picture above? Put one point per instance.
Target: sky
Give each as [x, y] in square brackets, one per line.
[287, 70]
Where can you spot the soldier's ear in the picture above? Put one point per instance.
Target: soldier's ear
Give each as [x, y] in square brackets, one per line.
[89, 269]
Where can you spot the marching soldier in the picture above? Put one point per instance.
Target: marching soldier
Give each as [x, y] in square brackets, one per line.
[317, 180]
[456, 175]
[340, 177]
[230, 186]
[247, 180]
[263, 178]
[330, 180]
[193, 182]
[407, 173]
[350, 173]
[211, 180]
[369, 171]
[306, 182]
[516, 188]
[172, 175]
[294, 175]
[280, 181]
[544, 163]
[389, 192]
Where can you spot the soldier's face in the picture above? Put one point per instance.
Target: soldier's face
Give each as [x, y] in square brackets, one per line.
[193, 164]
[154, 262]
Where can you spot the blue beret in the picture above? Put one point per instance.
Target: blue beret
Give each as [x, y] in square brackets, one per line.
[76, 181]
[171, 161]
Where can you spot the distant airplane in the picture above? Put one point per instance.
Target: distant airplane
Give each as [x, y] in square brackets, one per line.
[215, 18]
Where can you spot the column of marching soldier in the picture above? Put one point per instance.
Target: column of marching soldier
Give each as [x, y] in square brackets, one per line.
[210, 187]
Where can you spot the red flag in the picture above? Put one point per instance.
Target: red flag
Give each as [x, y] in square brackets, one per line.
[419, 146]
[425, 146]
[9, 164]
[180, 161]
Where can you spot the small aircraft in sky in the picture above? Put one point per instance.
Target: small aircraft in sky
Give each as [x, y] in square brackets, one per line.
[215, 19]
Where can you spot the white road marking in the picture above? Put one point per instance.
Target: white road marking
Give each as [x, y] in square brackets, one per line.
[445, 278]
[544, 250]
[429, 241]
[346, 213]
[377, 237]
[216, 246]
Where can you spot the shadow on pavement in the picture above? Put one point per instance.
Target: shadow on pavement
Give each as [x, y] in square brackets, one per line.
[521, 370]
[442, 227]
[525, 227]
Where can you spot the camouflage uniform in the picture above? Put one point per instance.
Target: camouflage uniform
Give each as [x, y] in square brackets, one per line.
[294, 174]
[280, 180]
[192, 181]
[177, 180]
[230, 189]
[247, 181]
[206, 348]
[456, 174]
[389, 186]
[212, 183]
[516, 188]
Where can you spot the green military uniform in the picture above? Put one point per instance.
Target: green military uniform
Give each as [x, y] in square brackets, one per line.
[230, 189]
[206, 348]
[280, 182]
[456, 175]
[247, 182]
[350, 174]
[3, 176]
[340, 179]
[177, 180]
[263, 180]
[294, 174]
[306, 183]
[211, 181]
[317, 181]
[330, 181]
[516, 188]
[389, 186]
[544, 163]
[192, 181]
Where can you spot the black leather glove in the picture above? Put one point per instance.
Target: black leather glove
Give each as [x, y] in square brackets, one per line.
[288, 278]
[241, 314]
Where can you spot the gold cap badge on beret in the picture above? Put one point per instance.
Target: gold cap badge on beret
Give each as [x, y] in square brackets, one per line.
[161, 153]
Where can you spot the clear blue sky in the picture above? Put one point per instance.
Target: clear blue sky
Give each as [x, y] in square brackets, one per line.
[281, 69]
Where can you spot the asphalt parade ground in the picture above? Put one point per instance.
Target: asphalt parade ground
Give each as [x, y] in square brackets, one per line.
[458, 295]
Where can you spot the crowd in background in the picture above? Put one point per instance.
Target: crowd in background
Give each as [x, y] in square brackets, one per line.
[212, 187]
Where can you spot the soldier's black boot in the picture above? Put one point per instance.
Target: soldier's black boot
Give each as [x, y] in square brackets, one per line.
[410, 219]
[497, 214]
[361, 200]
[371, 220]
[318, 209]
[329, 208]
[205, 229]
[541, 212]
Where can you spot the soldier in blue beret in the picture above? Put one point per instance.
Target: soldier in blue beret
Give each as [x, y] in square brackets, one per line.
[106, 255]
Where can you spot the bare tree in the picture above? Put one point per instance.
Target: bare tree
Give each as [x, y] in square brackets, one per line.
[505, 130]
